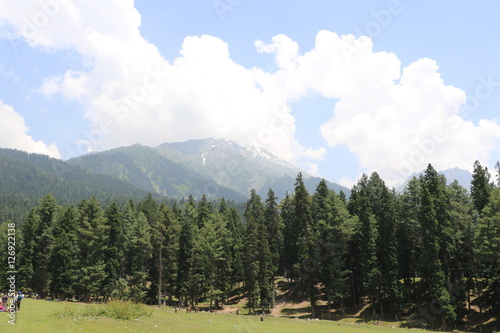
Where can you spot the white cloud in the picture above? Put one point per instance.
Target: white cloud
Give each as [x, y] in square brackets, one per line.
[286, 50]
[348, 182]
[71, 85]
[315, 154]
[13, 134]
[396, 120]
[132, 94]
[313, 169]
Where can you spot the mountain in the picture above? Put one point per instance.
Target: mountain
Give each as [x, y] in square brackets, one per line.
[215, 167]
[25, 178]
[146, 168]
[463, 177]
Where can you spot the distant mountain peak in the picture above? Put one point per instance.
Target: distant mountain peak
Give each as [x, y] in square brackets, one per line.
[463, 177]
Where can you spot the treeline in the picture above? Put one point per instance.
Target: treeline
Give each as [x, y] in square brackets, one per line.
[435, 247]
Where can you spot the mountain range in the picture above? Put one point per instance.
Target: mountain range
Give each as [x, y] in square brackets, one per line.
[214, 167]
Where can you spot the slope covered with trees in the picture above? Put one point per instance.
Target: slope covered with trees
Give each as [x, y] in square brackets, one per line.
[25, 178]
[432, 252]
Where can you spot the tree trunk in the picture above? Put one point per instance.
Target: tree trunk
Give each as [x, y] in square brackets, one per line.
[273, 304]
[159, 275]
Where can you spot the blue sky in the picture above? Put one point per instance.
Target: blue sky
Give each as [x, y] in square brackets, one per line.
[338, 88]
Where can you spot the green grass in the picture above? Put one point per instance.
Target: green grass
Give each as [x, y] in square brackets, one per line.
[46, 316]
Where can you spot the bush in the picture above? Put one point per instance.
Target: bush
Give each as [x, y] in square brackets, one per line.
[113, 309]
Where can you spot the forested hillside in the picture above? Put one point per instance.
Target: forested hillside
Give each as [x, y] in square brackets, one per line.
[432, 252]
[25, 178]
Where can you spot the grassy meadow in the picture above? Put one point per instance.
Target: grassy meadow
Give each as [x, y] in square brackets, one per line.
[48, 316]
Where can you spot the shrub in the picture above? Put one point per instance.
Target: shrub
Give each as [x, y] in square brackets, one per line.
[112, 309]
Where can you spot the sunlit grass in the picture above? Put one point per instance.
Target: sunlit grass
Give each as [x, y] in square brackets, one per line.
[50, 316]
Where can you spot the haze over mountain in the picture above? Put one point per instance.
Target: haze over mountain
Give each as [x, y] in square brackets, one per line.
[464, 177]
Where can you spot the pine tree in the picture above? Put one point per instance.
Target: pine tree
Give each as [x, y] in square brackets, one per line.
[170, 244]
[224, 264]
[340, 228]
[203, 211]
[273, 230]
[91, 231]
[254, 215]
[332, 220]
[208, 252]
[138, 251]
[434, 223]
[497, 167]
[488, 240]
[113, 251]
[189, 269]
[151, 210]
[462, 262]
[47, 210]
[409, 235]
[64, 258]
[307, 242]
[27, 248]
[364, 244]
[185, 257]
[387, 253]
[290, 236]
[480, 186]
[235, 229]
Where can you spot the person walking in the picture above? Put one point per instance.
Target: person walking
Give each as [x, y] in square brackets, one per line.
[17, 300]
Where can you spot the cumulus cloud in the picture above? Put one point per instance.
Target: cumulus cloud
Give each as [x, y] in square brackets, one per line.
[396, 120]
[315, 154]
[13, 134]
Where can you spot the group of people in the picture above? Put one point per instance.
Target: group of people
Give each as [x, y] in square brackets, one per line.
[17, 301]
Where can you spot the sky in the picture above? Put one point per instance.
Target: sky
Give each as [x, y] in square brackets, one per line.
[337, 88]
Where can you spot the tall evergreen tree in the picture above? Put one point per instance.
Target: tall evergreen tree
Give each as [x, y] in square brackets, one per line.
[410, 237]
[497, 168]
[333, 231]
[91, 231]
[340, 227]
[138, 251]
[64, 258]
[488, 240]
[462, 262]
[387, 253]
[47, 210]
[290, 236]
[364, 244]
[113, 250]
[27, 249]
[235, 229]
[435, 223]
[185, 255]
[224, 277]
[273, 229]
[203, 211]
[480, 186]
[170, 245]
[254, 216]
[307, 243]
